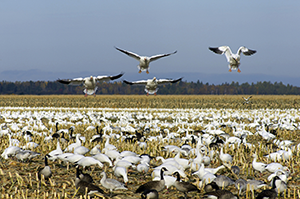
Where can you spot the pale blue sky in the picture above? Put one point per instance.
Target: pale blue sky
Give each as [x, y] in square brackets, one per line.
[72, 36]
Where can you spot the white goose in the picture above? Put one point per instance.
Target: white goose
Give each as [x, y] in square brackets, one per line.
[258, 166]
[90, 83]
[233, 59]
[151, 84]
[144, 60]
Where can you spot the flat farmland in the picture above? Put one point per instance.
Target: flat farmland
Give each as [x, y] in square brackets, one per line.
[187, 124]
[160, 101]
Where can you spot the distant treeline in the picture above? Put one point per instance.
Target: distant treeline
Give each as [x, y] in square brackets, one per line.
[181, 88]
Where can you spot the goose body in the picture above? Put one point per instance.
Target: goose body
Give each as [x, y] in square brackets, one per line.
[144, 61]
[45, 171]
[111, 184]
[258, 166]
[184, 187]
[220, 194]
[157, 185]
[89, 161]
[152, 84]
[150, 194]
[232, 59]
[86, 187]
[90, 83]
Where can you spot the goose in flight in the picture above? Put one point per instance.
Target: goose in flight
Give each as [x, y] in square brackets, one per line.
[90, 83]
[233, 59]
[247, 100]
[151, 84]
[144, 60]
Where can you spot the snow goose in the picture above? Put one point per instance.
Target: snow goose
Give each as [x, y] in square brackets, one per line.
[121, 172]
[274, 166]
[144, 60]
[81, 150]
[184, 187]
[132, 159]
[233, 59]
[89, 161]
[111, 184]
[10, 151]
[109, 146]
[183, 162]
[112, 154]
[72, 146]
[247, 100]
[123, 163]
[45, 171]
[143, 167]
[223, 181]
[152, 84]
[282, 174]
[256, 184]
[103, 158]
[225, 157]
[95, 150]
[23, 155]
[90, 83]
[157, 185]
[258, 166]
[74, 158]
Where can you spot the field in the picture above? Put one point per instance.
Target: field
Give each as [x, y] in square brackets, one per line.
[184, 115]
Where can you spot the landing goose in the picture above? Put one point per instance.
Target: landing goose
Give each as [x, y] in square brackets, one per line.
[157, 185]
[232, 59]
[90, 83]
[144, 60]
[184, 187]
[152, 84]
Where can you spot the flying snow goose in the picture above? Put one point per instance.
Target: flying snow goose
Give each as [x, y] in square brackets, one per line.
[151, 84]
[233, 59]
[144, 60]
[90, 83]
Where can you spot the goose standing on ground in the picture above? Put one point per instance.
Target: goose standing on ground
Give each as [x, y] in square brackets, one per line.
[84, 176]
[157, 185]
[90, 83]
[184, 186]
[258, 166]
[221, 194]
[233, 59]
[150, 194]
[144, 60]
[111, 184]
[151, 84]
[86, 187]
[45, 171]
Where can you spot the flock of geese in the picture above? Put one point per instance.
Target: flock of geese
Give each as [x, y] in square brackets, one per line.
[90, 83]
[194, 158]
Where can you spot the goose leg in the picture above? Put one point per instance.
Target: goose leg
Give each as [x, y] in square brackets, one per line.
[147, 72]
[239, 70]
[140, 71]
